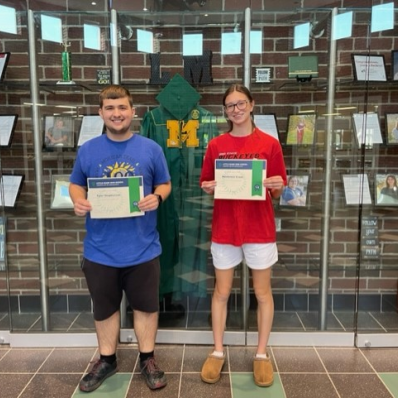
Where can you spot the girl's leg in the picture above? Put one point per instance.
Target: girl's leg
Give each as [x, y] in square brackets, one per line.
[265, 308]
[219, 303]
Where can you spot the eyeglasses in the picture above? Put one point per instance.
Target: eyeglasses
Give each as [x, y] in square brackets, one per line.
[241, 105]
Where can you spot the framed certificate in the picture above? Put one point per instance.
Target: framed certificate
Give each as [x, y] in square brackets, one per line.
[370, 68]
[267, 124]
[356, 189]
[115, 197]
[295, 192]
[7, 128]
[301, 129]
[10, 188]
[386, 189]
[367, 129]
[240, 179]
[392, 128]
[60, 198]
[58, 132]
[4, 58]
[92, 126]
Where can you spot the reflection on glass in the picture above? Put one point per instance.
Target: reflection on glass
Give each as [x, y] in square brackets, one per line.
[302, 35]
[51, 29]
[231, 43]
[342, 26]
[256, 41]
[92, 36]
[8, 20]
[192, 44]
[144, 41]
[382, 17]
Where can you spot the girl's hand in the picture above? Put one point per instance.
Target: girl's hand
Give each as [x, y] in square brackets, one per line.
[209, 186]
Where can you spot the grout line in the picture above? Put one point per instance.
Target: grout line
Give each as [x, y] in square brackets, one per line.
[327, 373]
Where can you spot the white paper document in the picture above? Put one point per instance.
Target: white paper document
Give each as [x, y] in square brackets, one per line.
[240, 179]
[115, 197]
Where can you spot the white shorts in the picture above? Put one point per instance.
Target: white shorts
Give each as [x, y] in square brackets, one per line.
[256, 255]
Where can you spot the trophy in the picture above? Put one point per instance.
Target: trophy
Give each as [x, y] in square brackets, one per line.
[66, 65]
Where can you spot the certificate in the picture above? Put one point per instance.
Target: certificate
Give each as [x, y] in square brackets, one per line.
[115, 197]
[240, 179]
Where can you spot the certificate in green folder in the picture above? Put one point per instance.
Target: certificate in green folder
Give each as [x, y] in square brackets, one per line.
[240, 179]
[115, 197]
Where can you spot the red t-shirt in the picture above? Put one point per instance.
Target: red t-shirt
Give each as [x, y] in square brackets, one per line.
[236, 222]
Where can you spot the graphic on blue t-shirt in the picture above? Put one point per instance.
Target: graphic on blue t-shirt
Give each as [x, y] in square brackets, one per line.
[119, 169]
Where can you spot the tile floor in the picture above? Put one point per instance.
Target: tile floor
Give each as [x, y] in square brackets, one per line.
[305, 372]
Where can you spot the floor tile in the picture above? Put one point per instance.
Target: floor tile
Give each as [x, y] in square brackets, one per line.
[308, 386]
[139, 389]
[193, 387]
[382, 359]
[68, 360]
[241, 358]
[359, 386]
[12, 384]
[297, 360]
[115, 386]
[391, 381]
[23, 360]
[243, 386]
[51, 386]
[341, 360]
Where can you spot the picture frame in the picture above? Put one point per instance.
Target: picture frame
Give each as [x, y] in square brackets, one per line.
[394, 65]
[263, 74]
[11, 185]
[60, 198]
[91, 126]
[295, 193]
[369, 67]
[3, 246]
[369, 135]
[303, 67]
[386, 189]
[356, 189]
[267, 123]
[391, 127]
[301, 129]
[7, 128]
[4, 59]
[58, 132]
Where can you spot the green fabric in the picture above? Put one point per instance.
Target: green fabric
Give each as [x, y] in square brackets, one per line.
[184, 219]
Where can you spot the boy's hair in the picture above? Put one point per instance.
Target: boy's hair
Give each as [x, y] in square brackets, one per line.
[114, 91]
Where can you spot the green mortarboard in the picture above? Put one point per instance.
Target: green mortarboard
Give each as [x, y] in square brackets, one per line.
[178, 97]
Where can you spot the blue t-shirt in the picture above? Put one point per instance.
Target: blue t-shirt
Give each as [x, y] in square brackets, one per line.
[121, 242]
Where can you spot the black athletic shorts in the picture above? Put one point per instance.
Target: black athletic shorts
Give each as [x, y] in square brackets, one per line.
[106, 285]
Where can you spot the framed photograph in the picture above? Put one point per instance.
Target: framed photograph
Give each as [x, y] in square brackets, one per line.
[7, 128]
[394, 64]
[60, 198]
[370, 68]
[4, 58]
[367, 129]
[92, 126]
[58, 132]
[301, 129]
[295, 192]
[356, 189]
[267, 124]
[386, 189]
[10, 188]
[392, 128]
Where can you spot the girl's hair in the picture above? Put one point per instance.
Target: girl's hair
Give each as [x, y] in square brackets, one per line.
[114, 91]
[393, 177]
[240, 88]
